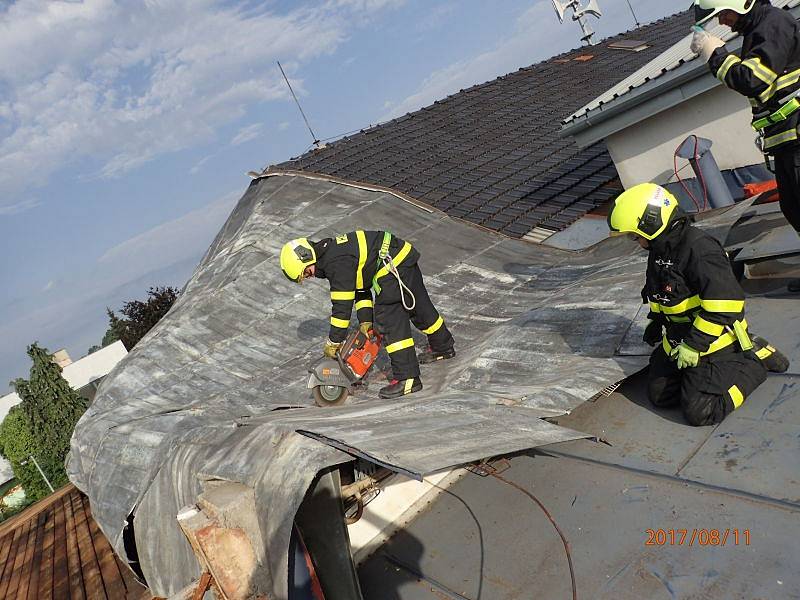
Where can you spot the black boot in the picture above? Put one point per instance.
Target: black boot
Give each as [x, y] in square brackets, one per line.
[773, 360]
[794, 285]
[429, 356]
[402, 387]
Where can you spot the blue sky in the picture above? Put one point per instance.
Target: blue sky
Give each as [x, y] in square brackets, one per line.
[126, 128]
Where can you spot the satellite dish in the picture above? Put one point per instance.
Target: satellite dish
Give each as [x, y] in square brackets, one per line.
[579, 14]
[561, 7]
[593, 9]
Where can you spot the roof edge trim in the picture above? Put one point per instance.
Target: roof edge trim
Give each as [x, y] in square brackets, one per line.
[370, 187]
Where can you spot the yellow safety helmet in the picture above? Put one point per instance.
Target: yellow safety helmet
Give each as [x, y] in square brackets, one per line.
[705, 10]
[295, 257]
[645, 210]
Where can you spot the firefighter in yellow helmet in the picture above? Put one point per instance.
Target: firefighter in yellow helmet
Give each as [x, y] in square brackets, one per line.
[767, 72]
[356, 265]
[704, 360]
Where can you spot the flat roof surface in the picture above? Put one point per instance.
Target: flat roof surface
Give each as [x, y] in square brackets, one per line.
[485, 538]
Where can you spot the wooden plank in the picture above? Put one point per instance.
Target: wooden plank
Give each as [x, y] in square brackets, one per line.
[5, 550]
[60, 587]
[19, 558]
[92, 581]
[34, 509]
[32, 560]
[109, 571]
[76, 589]
[43, 590]
[17, 535]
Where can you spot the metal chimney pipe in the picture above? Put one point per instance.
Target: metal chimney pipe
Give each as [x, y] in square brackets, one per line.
[697, 151]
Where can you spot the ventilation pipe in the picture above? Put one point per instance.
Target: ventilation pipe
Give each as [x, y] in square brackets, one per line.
[697, 151]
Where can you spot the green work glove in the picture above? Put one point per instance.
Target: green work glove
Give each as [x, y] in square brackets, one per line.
[365, 327]
[331, 348]
[686, 356]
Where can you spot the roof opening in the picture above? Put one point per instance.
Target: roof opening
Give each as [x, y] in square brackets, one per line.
[629, 45]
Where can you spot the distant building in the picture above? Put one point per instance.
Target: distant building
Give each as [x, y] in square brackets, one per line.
[84, 376]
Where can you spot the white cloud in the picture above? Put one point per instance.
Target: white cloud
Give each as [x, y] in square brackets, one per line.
[126, 82]
[436, 17]
[170, 242]
[247, 134]
[21, 206]
[284, 125]
[74, 314]
[196, 169]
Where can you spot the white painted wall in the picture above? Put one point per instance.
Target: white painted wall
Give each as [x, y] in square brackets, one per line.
[643, 152]
[94, 366]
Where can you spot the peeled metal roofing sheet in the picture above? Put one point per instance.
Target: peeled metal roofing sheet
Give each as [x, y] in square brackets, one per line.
[677, 55]
[207, 393]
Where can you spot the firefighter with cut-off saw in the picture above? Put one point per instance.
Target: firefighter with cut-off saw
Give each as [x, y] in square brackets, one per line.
[358, 264]
[705, 360]
[768, 73]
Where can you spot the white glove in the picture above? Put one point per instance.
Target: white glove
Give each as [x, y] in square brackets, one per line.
[704, 44]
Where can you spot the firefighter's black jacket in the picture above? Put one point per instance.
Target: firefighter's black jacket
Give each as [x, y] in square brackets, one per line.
[349, 262]
[768, 70]
[691, 289]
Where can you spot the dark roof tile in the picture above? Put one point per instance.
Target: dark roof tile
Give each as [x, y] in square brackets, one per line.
[492, 153]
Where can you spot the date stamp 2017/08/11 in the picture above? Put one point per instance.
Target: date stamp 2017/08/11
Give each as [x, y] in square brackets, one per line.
[697, 537]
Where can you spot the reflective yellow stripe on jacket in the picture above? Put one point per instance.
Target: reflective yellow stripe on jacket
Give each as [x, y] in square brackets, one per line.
[778, 84]
[690, 303]
[362, 259]
[395, 259]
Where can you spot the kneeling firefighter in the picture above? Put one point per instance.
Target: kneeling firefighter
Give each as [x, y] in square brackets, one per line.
[705, 360]
[357, 264]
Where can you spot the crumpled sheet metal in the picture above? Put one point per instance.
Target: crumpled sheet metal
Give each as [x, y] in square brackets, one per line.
[200, 396]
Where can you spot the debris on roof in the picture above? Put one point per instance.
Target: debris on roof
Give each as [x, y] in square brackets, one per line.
[630, 45]
[492, 154]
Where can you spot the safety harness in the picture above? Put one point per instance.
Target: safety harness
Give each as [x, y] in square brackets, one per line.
[789, 106]
[737, 333]
[388, 264]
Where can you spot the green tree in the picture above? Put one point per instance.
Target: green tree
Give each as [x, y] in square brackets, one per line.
[140, 317]
[41, 425]
[114, 328]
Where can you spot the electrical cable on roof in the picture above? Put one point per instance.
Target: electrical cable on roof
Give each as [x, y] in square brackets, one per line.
[552, 521]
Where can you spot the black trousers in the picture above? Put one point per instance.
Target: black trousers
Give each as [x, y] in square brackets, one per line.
[708, 392]
[394, 321]
[787, 174]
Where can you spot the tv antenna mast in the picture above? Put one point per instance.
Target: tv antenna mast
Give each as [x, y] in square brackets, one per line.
[579, 15]
[317, 143]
